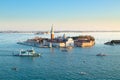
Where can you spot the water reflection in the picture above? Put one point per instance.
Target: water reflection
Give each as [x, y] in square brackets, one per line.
[67, 49]
[52, 50]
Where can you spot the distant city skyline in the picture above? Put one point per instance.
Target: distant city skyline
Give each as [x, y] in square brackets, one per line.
[77, 15]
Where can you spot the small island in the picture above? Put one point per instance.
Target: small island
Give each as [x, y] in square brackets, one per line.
[113, 42]
[62, 41]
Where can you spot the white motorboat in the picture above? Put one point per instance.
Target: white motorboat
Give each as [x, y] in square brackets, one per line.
[30, 53]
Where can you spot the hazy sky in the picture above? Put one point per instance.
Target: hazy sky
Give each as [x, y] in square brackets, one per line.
[64, 14]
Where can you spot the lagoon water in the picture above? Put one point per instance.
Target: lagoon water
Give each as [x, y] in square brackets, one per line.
[57, 65]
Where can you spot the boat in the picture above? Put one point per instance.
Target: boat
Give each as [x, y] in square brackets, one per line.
[101, 54]
[83, 73]
[29, 53]
[14, 68]
[64, 50]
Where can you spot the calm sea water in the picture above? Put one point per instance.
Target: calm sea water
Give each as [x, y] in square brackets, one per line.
[57, 65]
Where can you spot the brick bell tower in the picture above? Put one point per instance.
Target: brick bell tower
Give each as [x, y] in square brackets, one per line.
[52, 33]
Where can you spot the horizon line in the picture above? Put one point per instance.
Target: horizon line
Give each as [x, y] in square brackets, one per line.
[2, 31]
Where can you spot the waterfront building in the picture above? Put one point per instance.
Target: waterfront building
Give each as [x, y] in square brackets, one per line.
[58, 44]
[45, 43]
[84, 41]
[69, 42]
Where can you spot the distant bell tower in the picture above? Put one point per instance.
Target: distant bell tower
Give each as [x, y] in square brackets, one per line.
[52, 33]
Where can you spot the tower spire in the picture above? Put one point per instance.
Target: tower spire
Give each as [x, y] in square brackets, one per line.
[52, 32]
[52, 29]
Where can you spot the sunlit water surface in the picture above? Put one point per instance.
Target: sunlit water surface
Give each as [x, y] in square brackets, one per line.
[57, 65]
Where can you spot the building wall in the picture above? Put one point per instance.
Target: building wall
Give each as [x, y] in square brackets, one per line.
[45, 43]
[70, 42]
[61, 44]
[88, 44]
[84, 44]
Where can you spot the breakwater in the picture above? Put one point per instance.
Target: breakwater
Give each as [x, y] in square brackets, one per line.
[113, 42]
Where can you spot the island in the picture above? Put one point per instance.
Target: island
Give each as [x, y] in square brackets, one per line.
[61, 41]
[113, 42]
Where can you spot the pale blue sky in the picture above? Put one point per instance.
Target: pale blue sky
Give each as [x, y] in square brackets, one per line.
[64, 14]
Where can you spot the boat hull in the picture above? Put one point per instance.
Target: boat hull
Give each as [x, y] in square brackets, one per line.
[34, 55]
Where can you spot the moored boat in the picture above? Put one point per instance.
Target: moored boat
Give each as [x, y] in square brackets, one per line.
[101, 54]
[64, 50]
